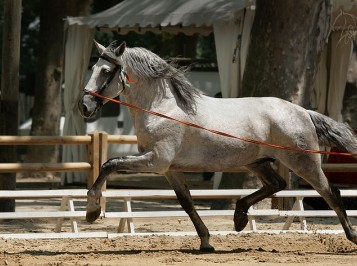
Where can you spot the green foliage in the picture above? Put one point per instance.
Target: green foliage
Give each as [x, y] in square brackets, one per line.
[205, 47]
[29, 38]
[29, 35]
[163, 44]
[30, 29]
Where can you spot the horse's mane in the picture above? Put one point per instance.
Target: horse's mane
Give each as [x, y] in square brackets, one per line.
[150, 66]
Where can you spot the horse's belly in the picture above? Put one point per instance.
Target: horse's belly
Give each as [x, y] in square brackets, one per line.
[215, 157]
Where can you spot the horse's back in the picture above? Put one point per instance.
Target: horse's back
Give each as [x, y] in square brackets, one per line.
[267, 119]
[258, 113]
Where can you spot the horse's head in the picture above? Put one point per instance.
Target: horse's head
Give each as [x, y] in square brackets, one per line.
[106, 79]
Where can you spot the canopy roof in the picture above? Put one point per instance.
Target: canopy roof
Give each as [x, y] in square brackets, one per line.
[189, 16]
[169, 15]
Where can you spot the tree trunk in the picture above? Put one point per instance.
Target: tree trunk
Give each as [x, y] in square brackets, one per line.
[9, 93]
[47, 105]
[349, 111]
[287, 39]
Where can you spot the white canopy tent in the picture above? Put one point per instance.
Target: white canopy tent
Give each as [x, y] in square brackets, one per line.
[228, 19]
[333, 68]
[231, 22]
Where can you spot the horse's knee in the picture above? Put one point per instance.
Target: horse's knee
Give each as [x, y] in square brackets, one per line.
[108, 167]
[92, 193]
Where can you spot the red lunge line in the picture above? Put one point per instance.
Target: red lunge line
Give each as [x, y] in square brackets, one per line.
[221, 133]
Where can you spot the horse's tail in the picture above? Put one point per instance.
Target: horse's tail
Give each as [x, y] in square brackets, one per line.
[332, 133]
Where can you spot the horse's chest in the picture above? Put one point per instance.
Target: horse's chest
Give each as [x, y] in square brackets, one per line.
[152, 130]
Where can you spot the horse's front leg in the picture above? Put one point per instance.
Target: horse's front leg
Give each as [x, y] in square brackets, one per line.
[178, 182]
[142, 162]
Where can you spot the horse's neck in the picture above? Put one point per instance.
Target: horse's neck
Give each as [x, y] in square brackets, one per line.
[155, 95]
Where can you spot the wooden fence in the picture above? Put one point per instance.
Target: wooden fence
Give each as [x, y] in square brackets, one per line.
[97, 146]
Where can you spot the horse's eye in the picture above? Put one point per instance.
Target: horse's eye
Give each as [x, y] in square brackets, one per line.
[106, 71]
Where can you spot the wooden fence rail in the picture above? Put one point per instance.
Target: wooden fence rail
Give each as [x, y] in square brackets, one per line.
[97, 145]
[45, 167]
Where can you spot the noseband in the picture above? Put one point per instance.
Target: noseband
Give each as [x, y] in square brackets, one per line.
[117, 68]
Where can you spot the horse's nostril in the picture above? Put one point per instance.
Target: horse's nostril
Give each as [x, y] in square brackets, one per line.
[87, 112]
[85, 109]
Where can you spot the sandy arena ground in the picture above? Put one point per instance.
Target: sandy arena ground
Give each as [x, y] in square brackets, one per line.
[248, 249]
[242, 249]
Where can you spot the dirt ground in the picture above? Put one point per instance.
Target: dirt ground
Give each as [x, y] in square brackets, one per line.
[247, 249]
[238, 249]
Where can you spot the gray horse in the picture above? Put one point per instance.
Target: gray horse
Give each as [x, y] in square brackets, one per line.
[171, 148]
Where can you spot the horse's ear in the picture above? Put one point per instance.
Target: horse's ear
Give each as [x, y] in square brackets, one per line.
[100, 47]
[120, 49]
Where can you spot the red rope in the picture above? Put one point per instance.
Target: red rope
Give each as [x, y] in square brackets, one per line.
[222, 133]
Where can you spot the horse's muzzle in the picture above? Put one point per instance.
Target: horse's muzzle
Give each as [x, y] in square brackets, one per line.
[88, 106]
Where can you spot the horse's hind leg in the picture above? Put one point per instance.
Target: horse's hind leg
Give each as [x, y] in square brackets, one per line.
[178, 183]
[313, 174]
[272, 183]
[351, 233]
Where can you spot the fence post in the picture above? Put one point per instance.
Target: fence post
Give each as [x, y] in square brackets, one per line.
[98, 154]
[103, 157]
[284, 172]
[93, 158]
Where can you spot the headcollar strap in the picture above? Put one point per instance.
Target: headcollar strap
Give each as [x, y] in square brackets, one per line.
[118, 66]
[110, 59]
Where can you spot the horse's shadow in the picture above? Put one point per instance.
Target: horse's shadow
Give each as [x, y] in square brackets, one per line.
[185, 251]
[128, 252]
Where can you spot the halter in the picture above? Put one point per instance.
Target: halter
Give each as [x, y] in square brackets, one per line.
[117, 68]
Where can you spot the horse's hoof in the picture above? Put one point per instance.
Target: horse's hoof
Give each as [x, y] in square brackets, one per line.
[93, 214]
[207, 249]
[240, 220]
[353, 237]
